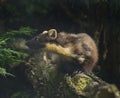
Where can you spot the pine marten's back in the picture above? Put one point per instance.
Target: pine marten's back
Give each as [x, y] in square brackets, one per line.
[74, 51]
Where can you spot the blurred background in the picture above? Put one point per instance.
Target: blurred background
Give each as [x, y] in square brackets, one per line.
[27, 18]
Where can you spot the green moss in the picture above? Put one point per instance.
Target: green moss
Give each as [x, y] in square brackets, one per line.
[78, 83]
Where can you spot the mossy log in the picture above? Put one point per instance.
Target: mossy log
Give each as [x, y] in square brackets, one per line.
[90, 86]
[48, 83]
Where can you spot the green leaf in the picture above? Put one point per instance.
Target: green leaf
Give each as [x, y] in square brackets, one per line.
[3, 72]
[26, 31]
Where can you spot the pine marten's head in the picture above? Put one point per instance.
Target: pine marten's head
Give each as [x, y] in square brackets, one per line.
[42, 39]
[51, 41]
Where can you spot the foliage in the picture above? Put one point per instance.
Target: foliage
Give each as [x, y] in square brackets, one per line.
[24, 31]
[8, 56]
[15, 11]
[38, 6]
[3, 72]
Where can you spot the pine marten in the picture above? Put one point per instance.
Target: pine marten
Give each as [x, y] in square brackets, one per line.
[73, 51]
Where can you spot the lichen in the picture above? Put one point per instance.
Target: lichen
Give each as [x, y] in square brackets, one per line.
[78, 83]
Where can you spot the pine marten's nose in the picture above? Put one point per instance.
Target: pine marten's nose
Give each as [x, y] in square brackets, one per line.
[31, 44]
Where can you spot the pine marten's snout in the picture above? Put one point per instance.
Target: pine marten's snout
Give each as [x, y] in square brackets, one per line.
[33, 44]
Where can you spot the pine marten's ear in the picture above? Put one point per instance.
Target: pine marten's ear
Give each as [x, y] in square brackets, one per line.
[52, 34]
[44, 32]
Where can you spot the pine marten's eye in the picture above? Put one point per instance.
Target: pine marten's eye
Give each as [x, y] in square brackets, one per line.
[52, 33]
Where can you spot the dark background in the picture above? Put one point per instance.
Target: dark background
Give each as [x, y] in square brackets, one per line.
[99, 18]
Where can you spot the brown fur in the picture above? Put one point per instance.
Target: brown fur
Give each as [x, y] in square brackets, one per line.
[74, 51]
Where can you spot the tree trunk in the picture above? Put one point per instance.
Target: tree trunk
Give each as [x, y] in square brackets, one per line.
[111, 66]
